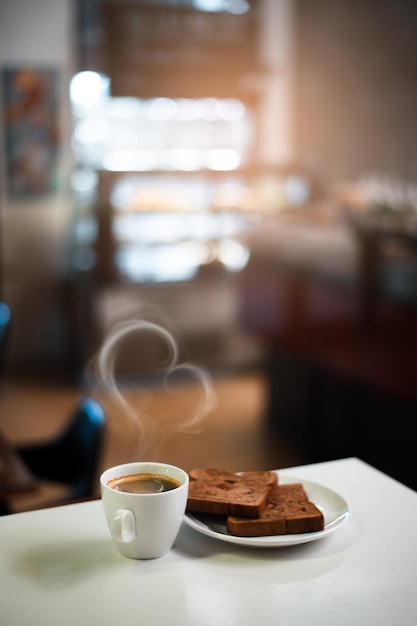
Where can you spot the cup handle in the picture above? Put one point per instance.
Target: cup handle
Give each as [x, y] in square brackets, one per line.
[122, 527]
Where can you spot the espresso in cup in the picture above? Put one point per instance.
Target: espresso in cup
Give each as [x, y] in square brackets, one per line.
[144, 483]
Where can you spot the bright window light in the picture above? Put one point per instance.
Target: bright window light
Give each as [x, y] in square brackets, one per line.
[164, 134]
[223, 160]
[162, 263]
[207, 109]
[91, 130]
[210, 5]
[161, 109]
[231, 109]
[233, 254]
[187, 109]
[86, 88]
[124, 107]
[184, 160]
[232, 6]
[131, 160]
[181, 160]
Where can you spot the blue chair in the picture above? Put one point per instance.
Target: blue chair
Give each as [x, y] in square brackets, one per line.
[72, 457]
[5, 317]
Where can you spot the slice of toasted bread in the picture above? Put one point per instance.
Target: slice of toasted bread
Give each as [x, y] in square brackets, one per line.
[224, 493]
[288, 511]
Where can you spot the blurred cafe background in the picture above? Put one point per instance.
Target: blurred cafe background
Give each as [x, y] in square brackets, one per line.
[242, 172]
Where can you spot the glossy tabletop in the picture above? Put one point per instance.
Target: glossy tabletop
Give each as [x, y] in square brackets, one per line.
[59, 566]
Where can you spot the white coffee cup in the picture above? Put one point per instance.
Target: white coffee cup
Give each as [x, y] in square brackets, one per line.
[144, 525]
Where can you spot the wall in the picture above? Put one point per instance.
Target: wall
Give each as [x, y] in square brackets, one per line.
[356, 86]
[34, 231]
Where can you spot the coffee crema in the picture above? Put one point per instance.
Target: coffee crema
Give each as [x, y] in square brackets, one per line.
[144, 483]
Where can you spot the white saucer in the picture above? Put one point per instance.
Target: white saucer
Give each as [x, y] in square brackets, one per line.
[333, 506]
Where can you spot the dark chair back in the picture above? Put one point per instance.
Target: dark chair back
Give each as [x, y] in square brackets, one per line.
[73, 456]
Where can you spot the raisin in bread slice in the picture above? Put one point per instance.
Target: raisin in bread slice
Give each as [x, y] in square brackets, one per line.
[288, 511]
[225, 493]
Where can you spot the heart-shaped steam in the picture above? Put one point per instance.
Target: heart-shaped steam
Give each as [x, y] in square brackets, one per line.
[150, 431]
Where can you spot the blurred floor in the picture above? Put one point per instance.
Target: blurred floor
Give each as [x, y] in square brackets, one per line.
[231, 435]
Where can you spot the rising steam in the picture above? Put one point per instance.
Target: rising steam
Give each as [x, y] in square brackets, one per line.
[151, 432]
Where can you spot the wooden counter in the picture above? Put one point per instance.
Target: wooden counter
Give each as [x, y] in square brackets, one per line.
[341, 335]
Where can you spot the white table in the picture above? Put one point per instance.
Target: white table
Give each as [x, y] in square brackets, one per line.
[59, 566]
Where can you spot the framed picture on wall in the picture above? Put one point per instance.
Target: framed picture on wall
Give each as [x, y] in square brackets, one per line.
[30, 130]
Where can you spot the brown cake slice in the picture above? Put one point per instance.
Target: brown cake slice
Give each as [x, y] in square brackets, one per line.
[224, 493]
[288, 511]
